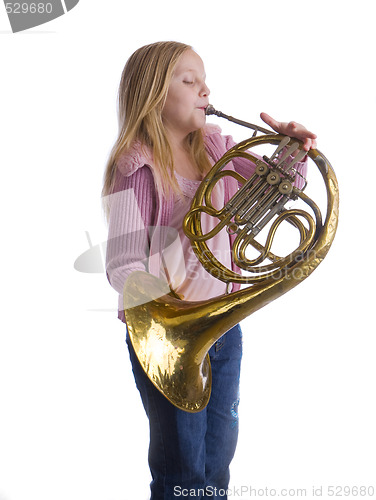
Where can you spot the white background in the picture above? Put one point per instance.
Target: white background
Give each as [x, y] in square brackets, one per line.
[71, 422]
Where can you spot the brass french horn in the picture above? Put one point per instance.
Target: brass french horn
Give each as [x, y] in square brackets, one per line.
[172, 337]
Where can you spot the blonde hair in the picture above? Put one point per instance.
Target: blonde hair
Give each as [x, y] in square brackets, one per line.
[142, 94]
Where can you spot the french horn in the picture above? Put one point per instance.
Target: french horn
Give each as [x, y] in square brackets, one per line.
[172, 337]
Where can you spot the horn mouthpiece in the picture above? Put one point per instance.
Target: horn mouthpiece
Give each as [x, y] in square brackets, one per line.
[210, 110]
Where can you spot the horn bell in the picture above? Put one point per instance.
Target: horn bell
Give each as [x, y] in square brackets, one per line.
[167, 343]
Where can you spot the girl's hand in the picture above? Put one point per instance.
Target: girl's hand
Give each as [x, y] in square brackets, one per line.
[292, 129]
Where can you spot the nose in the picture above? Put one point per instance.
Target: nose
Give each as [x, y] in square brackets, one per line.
[204, 90]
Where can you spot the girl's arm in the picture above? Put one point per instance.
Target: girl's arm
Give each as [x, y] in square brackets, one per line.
[132, 208]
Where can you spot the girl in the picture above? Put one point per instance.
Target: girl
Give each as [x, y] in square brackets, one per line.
[163, 151]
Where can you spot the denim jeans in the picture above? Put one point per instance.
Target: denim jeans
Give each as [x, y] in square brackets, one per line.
[190, 453]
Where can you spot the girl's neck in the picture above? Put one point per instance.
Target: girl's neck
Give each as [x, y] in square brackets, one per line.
[184, 164]
[177, 142]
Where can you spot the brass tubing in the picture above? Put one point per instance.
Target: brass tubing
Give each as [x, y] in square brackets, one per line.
[305, 240]
[268, 270]
[258, 209]
[259, 190]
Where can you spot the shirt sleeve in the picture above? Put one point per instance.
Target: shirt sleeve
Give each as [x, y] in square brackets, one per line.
[132, 210]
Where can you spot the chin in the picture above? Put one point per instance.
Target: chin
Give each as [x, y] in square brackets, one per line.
[200, 123]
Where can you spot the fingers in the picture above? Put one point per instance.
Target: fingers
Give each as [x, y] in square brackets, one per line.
[292, 129]
[270, 121]
[299, 131]
[309, 143]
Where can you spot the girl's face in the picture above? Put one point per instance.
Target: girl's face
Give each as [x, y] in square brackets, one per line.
[187, 97]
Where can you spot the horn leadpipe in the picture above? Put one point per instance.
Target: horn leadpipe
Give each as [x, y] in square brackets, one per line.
[210, 110]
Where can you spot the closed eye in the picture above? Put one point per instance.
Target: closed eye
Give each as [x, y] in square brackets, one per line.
[188, 83]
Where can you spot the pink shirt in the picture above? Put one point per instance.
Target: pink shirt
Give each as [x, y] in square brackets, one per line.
[183, 267]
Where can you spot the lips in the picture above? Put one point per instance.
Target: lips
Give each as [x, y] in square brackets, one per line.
[203, 106]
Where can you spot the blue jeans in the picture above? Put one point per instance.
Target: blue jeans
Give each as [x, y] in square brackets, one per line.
[190, 453]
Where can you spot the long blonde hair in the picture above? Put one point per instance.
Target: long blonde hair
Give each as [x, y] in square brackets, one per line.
[141, 98]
